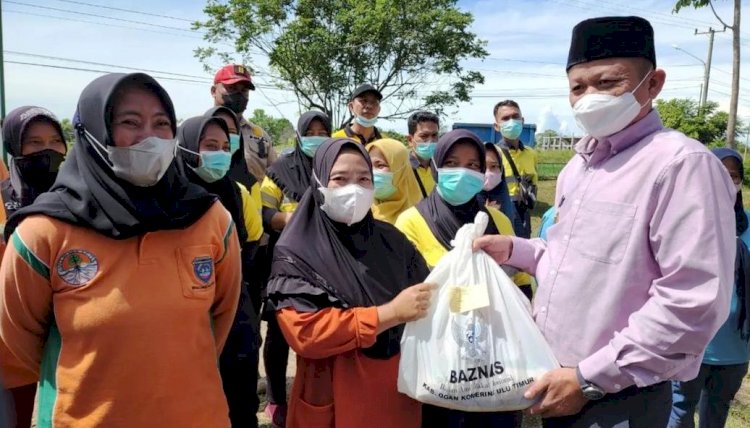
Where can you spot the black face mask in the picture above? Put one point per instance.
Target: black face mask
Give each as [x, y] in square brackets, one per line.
[39, 170]
[237, 102]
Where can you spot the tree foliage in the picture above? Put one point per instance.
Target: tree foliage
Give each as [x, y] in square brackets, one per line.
[733, 123]
[690, 3]
[395, 135]
[68, 132]
[411, 50]
[280, 130]
[707, 125]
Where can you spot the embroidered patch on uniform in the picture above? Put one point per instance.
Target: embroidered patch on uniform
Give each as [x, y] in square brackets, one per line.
[77, 267]
[203, 268]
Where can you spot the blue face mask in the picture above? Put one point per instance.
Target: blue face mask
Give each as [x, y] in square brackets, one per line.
[512, 129]
[234, 143]
[309, 145]
[214, 165]
[458, 185]
[425, 151]
[365, 122]
[383, 181]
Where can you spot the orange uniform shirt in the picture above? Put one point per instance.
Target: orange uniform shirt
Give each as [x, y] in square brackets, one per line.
[331, 368]
[120, 333]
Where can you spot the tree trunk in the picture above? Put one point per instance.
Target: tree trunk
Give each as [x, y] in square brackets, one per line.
[732, 123]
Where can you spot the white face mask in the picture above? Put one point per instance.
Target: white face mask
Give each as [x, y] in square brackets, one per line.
[142, 164]
[602, 115]
[348, 204]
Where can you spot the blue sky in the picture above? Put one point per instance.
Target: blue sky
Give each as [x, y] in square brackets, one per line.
[527, 40]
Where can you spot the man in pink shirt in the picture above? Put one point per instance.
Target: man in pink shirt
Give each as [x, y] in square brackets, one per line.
[636, 275]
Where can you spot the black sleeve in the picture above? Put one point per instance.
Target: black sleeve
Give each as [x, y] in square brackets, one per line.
[267, 214]
[417, 267]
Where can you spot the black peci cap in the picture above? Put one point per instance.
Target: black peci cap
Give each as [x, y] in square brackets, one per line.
[611, 37]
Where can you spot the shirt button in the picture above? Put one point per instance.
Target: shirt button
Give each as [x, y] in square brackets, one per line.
[577, 202]
[617, 386]
[656, 378]
[543, 309]
[553, 272]
[566, 238]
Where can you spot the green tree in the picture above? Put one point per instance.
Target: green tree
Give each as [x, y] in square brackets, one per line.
[707, 125]
[547, 133]
[68, 132]
[393, 135]
[411, 50]
[280, 130]
[732, 122]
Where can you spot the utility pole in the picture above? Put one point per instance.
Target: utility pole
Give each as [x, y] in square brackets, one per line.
[707, 64]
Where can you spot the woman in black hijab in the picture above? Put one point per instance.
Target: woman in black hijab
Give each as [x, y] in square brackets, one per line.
[495, 190]
[35, 143]
[206, 157]
[342, 286]
[458, 166]
[125, 274]
[282, 189]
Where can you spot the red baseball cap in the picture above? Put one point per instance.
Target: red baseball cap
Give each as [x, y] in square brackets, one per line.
[233, 73]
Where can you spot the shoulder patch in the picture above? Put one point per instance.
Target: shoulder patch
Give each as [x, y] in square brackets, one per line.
[77, 267]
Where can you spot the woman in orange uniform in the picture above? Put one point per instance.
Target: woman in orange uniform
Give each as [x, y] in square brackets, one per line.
[342, 285]
[119, 286]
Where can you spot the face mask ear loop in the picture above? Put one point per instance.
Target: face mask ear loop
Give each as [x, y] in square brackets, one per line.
[646, 77]
[98, 147]
[186, 150]
[315, 177]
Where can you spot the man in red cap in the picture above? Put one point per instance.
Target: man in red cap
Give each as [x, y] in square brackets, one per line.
[231, 89]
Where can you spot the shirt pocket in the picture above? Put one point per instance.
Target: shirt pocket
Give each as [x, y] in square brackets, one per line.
[197, 271]
[602, 230]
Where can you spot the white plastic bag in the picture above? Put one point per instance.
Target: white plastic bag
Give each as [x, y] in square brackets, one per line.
[478, 348]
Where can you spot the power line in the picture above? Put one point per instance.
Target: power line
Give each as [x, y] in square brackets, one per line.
[126, 10]
[588, 6]
[130, 21]
[175, 79]
[107, 24]
[103, 64]
[61, 67]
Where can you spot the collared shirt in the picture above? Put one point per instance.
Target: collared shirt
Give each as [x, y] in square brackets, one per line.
[636, 275]
[415, 227]
[347, 131]
[423, 175]
[525, 159]
[259, 151]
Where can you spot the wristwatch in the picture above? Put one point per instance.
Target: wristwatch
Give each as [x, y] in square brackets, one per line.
[589, 390]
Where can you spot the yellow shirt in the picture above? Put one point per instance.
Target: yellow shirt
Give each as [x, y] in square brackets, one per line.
[251, 212]
[342, 133]
[413, 225]
[425, 176]
[525, 161]
[273, 197]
